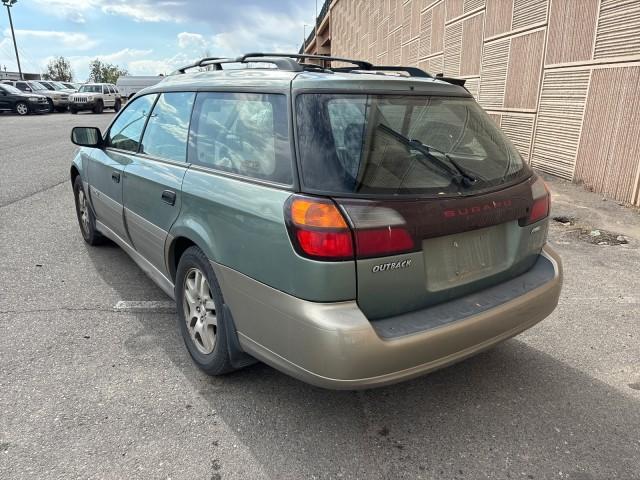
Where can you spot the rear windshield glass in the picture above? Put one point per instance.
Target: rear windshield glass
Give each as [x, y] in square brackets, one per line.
[398, 145]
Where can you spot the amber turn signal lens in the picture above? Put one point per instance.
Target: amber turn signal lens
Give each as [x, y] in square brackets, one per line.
[311, 213]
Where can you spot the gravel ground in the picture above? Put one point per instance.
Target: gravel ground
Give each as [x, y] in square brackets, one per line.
[88, 390]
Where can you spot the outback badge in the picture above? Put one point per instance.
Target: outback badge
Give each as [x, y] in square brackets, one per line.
[383, 267]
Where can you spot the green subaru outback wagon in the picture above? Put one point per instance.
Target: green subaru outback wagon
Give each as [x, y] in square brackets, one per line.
[352, 225]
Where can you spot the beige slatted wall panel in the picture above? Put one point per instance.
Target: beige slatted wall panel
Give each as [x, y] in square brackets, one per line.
[433, 65]
[609, 153]
[452, 48]
[426, 21]
[572, 26]
[473, 85]
[471, 53]
[406, 21]
[519, 129]
[437, 28]
[560, 111]
[523, 73]
[471, 5]
[454, 8]
[618, 32]
[530, 12]
[496, 117]
[494, 73]
[498, 17]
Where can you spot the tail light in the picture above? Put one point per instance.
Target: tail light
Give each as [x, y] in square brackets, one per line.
[541, 202]
[319, 230]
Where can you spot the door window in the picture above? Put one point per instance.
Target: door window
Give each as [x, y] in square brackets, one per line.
[168, 128]
[242, 133]
[126, 130]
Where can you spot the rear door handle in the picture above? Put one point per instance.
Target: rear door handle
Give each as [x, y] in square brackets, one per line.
[115, 176]
[169, 197]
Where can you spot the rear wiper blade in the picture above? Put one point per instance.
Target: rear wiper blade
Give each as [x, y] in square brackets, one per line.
[458, 174]
[469, 178]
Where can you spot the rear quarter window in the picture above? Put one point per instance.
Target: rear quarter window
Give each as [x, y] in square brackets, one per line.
[242, 133]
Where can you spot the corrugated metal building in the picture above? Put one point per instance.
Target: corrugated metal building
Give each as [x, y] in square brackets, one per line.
[561, 77]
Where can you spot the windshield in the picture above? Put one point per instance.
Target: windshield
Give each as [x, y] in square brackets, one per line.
[11, 89]
[58, 86]
[37, 86]
[389, 144]
[91, 89]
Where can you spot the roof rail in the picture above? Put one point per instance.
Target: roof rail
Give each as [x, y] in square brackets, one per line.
[294, 62]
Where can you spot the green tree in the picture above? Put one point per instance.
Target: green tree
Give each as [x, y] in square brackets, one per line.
[102, 72]
[59, 69]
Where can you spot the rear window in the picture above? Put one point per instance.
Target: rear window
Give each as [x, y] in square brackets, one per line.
[399, 145]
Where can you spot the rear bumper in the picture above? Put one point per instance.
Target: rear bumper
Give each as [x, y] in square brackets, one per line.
[333, 345]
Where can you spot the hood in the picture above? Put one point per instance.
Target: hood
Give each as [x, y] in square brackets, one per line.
[84, 94]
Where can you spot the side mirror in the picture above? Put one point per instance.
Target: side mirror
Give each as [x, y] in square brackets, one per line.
[87, 137]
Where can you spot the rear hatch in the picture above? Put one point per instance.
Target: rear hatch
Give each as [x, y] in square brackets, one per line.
[439, 202]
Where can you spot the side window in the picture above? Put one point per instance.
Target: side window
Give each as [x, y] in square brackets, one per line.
[168, 128]
[126, 130]
[243, 133]
[22, 86]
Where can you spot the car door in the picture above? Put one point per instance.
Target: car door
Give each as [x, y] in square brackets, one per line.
[5, 100]
[109, 97]
[107, 165]
[153, 178]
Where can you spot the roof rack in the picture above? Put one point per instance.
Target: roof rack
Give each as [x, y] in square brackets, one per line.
[294, 62]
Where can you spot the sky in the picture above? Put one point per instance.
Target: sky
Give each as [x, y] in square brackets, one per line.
[148, 37]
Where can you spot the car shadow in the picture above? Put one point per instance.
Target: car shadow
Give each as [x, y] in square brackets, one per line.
[511, 409]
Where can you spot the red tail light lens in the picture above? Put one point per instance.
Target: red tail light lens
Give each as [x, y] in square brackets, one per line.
[326, 244]
[541, 202]
[382, 241]
[318, 230]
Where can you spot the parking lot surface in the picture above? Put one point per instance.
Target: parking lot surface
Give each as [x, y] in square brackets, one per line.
[91, 387]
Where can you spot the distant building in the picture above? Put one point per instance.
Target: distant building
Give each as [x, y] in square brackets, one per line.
[5, 75]
[561, 77]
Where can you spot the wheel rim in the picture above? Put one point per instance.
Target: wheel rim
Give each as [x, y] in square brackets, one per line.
[200, 311]
[21, 108]
[84, 212]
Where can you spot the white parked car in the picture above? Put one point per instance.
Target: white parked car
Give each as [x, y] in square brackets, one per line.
[95, 97]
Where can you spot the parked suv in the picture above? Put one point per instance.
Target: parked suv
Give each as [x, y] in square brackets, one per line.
[14, 100]
[57, 100]
[351, 226]
[95, 97]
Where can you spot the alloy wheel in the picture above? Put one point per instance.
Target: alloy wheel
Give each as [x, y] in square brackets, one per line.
[200, 311]
[84, 212]
[22, 109]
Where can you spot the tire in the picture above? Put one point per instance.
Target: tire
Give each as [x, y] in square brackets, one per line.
[116, 106]
[22, 109]
[86, 218]
[211, 356]
[51, 107]
[99, 107]
[73, 111]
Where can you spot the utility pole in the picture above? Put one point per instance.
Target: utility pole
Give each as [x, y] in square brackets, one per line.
[9, 4]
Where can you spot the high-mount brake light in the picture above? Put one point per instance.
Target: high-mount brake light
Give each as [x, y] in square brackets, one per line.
[318, 230]
[541, 202]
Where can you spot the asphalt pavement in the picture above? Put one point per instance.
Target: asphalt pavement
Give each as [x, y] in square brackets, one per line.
[95, 381]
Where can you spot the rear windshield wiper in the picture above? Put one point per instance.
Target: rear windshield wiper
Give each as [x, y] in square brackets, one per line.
[459, 174]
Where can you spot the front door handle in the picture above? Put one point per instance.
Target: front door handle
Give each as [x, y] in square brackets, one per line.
[115, 176]
[169, 197]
